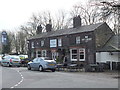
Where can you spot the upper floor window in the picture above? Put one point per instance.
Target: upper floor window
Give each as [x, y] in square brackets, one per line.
[32, 45]
[59, 42]
[42, 43]
[78, 40]
[53, 43]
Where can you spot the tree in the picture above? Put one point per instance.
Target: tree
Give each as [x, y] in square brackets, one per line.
[110, 13]
[58, 21]
[88, 13]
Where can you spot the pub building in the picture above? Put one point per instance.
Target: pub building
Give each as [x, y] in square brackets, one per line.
[79, 43]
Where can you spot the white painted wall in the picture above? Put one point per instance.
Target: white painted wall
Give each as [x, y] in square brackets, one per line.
[106, 56]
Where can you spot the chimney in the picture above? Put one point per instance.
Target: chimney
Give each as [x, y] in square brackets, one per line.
[76, 21]
[39, 29]
[49, 26]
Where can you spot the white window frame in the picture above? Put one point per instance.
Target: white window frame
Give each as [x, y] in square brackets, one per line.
[53, 43]
[60, 42]
[78, 40]
[37, 54]
[42, 43]
[54, 55]
[73, 54]
[32, 45]
[82, 50]
[44, 53]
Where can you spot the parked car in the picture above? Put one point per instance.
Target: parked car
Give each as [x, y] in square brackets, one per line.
[11, 60]
[42, 63]
[24, 60]
[0, 59]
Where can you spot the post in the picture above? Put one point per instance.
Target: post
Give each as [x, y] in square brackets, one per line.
[111, 65]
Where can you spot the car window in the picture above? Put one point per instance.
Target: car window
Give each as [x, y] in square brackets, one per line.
[5, 57]
[35, 60]
[40, 59]
[15, 58]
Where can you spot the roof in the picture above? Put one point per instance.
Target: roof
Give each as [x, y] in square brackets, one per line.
[112, 45]
[80, 29]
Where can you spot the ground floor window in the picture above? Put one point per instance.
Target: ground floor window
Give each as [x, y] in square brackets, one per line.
[54, 55]
[77, 53]
[44, 53]
[41, 53]
[73, 55]
[38, 54]
[82, 54]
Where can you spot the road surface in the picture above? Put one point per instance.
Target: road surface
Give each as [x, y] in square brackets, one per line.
[14, 77]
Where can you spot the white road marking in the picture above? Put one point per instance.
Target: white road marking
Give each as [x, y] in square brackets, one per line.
[19, 81]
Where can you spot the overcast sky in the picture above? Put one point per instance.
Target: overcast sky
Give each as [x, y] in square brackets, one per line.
[14, 13]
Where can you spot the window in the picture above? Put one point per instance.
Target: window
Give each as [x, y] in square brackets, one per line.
[38, 53]
[59, 42]
[43, 53]
[42, 43]
[73, 53]
[82, 54]
[53, 43]
[35, 60]
[78, 40]
[32, 45]
[77, 54]
[54, 55]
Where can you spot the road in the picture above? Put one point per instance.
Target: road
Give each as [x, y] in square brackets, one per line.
[15, 77]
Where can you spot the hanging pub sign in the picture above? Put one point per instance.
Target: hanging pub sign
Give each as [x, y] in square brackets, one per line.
[4, 38]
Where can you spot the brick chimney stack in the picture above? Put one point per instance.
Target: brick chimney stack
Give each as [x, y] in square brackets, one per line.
[39, 29]
[49, 26]
[76, 21]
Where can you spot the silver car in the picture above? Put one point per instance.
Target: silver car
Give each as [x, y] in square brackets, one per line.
[11, 60]
[42, 63]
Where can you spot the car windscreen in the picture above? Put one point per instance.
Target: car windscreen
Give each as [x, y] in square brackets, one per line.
[16, 58]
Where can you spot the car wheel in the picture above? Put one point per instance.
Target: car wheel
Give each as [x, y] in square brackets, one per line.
[2, 65]
[8, 65]
[29, 68]
[40, 68]
[53, 70]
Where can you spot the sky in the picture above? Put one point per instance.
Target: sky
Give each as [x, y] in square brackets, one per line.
[14, 13]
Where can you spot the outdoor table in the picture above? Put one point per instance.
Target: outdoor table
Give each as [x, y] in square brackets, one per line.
[72, 66]
[59, 66]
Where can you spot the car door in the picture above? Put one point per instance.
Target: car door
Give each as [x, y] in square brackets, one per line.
[33, 63]
[36, 63]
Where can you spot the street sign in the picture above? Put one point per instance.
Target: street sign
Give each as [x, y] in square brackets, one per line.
[4, 38]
